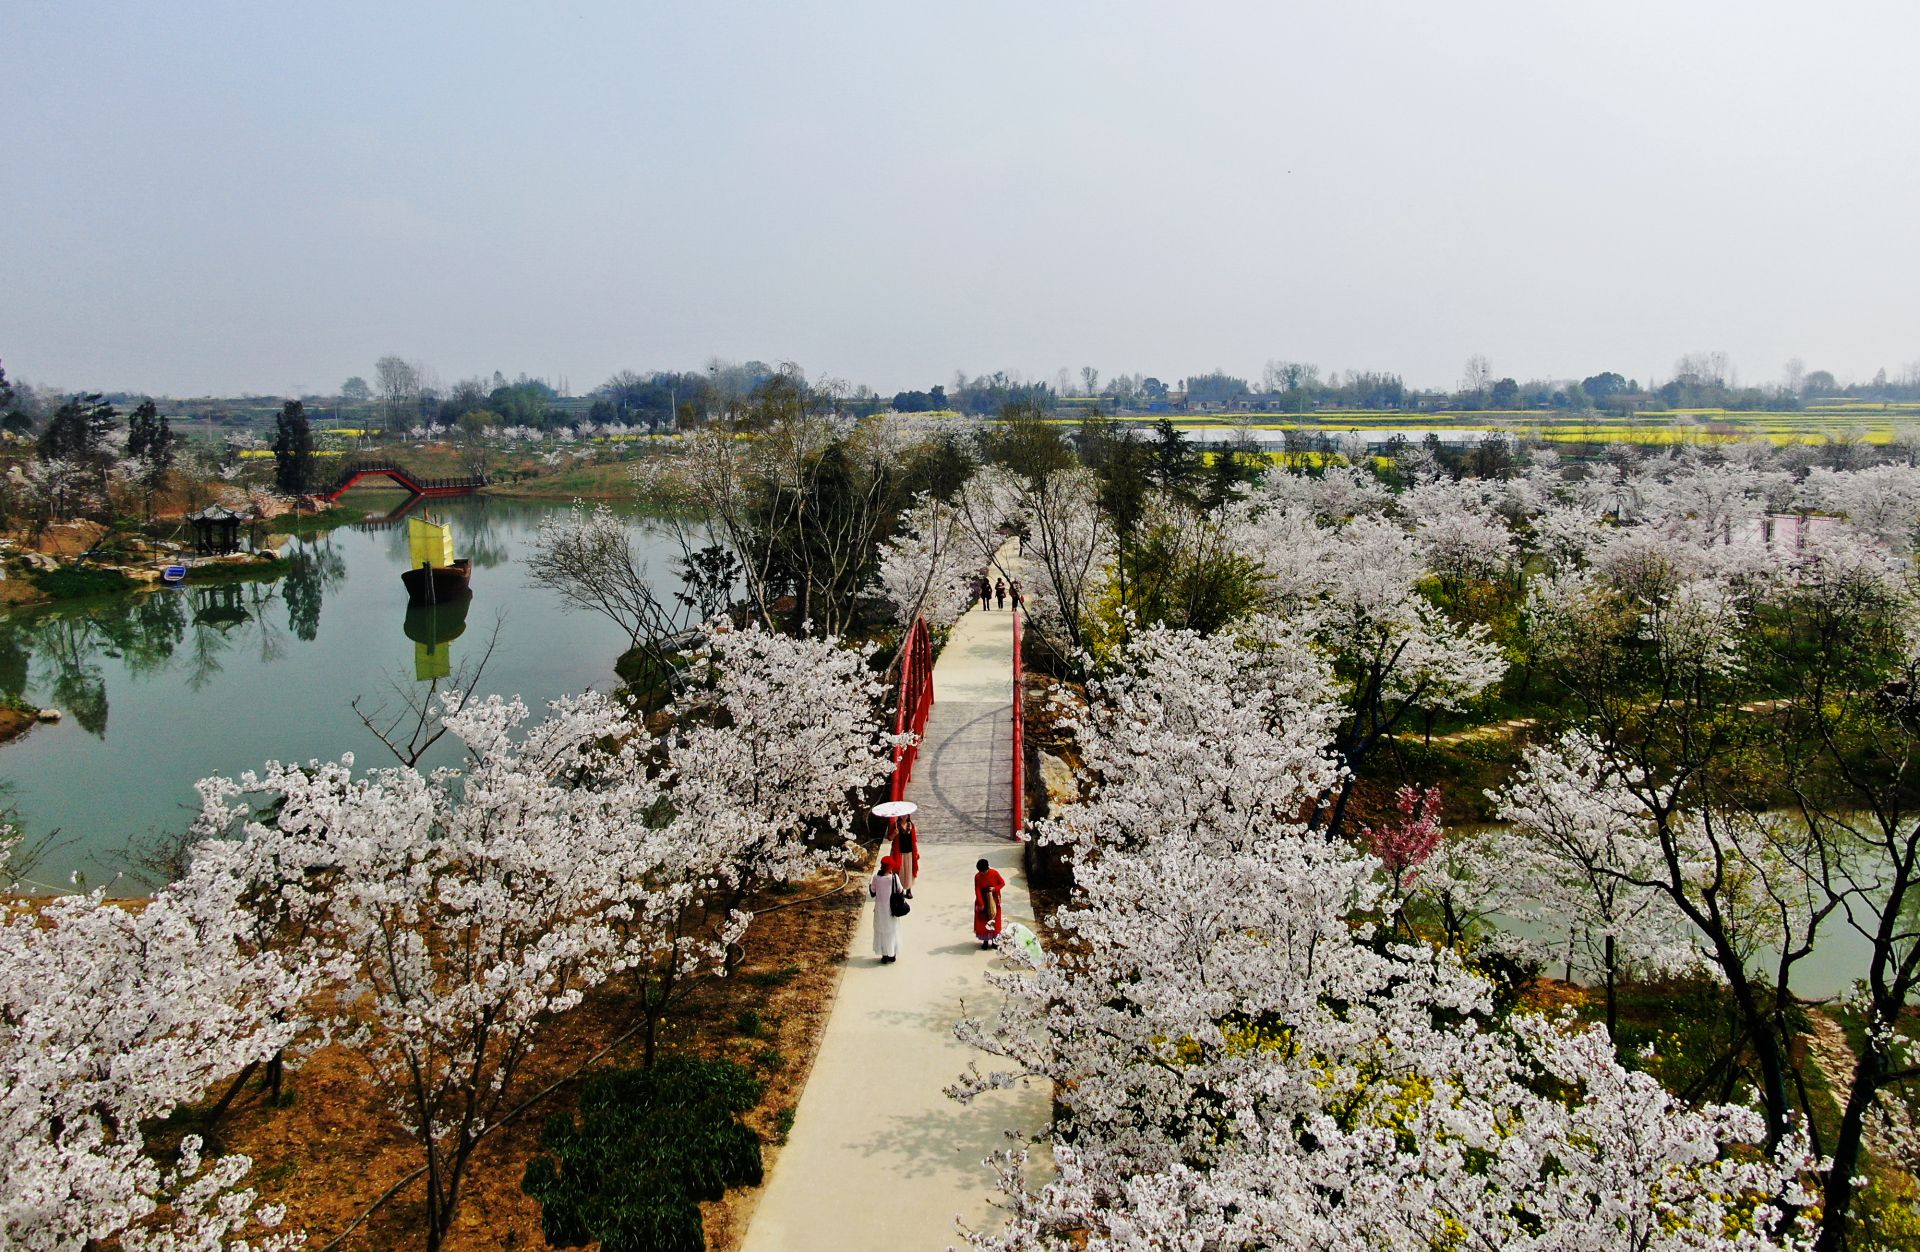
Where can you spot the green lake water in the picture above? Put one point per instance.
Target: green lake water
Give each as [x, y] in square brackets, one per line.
[162, 688]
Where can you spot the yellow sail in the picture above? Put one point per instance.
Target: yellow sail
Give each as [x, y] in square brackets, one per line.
[429, 543]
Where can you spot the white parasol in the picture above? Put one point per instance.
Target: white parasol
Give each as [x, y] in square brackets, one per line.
[896, 808]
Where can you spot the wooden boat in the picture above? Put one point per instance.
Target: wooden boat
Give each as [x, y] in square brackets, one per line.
[432, 575]
[173, 574]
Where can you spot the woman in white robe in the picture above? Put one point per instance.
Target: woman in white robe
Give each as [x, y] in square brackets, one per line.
[886, 927]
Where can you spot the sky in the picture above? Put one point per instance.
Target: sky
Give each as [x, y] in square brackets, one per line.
[201, 198]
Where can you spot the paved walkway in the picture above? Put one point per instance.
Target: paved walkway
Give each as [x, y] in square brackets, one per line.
[879, 1158]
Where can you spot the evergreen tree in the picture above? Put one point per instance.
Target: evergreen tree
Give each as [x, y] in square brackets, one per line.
[150, 440]
[292, 449]
[77, 429]
[1175, 463]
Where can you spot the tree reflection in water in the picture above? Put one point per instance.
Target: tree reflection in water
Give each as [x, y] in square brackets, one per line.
[311, 569]
[53, 656]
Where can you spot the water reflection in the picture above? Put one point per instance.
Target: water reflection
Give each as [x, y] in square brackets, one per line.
[214, 678]
[311, 569]
[433, 628]
[484, 529]
[55, 656]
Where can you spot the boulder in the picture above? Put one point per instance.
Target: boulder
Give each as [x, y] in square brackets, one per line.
[47, 715]
[1062, 787]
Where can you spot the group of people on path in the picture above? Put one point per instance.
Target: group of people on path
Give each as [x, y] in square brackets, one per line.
[988, 591]
[892, 888]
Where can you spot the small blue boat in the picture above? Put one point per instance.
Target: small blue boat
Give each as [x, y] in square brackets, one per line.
[173, 574]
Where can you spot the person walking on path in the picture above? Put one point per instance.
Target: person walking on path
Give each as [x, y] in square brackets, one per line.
[1019, 602]
[906, 853]
[886, 926]
[1000, 591]
[987, 916]
[985, 589]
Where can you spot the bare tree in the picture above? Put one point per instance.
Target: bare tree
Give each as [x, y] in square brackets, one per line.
[587, 558]
[1089, 380]
[398, 381]
[418, 710]
[1478, 375]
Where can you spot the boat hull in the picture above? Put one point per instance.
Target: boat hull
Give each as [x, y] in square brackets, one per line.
[438, 584]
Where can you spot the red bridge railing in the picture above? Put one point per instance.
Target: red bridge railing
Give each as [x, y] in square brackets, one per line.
[353, 472]
[1019, 737]
[916, 701]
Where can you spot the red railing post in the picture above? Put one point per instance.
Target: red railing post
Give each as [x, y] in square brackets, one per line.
[1019, 739]
[916, 700]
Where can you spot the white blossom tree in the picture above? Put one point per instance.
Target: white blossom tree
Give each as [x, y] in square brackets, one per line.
[926, 568]
[461, 911]
[1579, 849]
[1239, 1059]
[112, 1015]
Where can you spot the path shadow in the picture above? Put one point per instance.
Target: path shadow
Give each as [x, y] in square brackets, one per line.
[955, 1142]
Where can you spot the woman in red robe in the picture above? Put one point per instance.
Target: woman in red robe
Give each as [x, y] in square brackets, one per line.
[987, 917]
[906, 850]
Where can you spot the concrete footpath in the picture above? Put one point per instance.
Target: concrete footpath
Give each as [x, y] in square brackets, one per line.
[879, 1157]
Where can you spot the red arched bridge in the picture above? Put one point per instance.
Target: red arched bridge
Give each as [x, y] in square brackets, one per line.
[354, 471]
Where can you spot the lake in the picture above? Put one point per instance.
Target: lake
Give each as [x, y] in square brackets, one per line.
[162, 688]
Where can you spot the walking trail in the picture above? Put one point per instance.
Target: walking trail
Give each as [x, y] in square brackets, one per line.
[879, 1157]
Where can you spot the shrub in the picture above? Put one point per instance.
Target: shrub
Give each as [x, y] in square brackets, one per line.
[73, 582]
[648, 1145]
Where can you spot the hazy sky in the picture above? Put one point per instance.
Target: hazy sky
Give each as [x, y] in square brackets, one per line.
[205, 198]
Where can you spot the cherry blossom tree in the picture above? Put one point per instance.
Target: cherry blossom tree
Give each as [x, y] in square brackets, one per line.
[766, 764]
[925, 569]
[463, 910]
[1581, 849]
[1239, 1059]
[1241, 718]
[113, 1015]
[1072, 542]
[1355, 590]
[1402, 846]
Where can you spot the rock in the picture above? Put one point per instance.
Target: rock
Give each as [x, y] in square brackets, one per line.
[1062, 787]
[141, 574]
[47, 715]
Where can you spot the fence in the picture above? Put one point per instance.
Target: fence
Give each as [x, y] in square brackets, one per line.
[916, 700]
[1019, 737]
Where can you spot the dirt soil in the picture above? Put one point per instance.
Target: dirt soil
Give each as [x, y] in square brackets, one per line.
[15, 723]
[69, 538]
[336, 1147]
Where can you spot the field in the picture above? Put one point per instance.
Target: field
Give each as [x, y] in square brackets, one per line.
[1873, 423]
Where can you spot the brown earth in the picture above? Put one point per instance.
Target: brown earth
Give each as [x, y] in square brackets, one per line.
[336, 1147]
[14, 723]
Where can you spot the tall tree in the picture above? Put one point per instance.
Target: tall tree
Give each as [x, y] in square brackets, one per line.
[150, 442]
[77, 430]
[292, 449]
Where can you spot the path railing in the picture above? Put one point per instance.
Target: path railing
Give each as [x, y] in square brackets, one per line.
[1019, 737]
[916, 701]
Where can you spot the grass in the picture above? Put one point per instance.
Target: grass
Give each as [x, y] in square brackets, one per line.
[774, 977]
[604, 481]
[317, 523]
